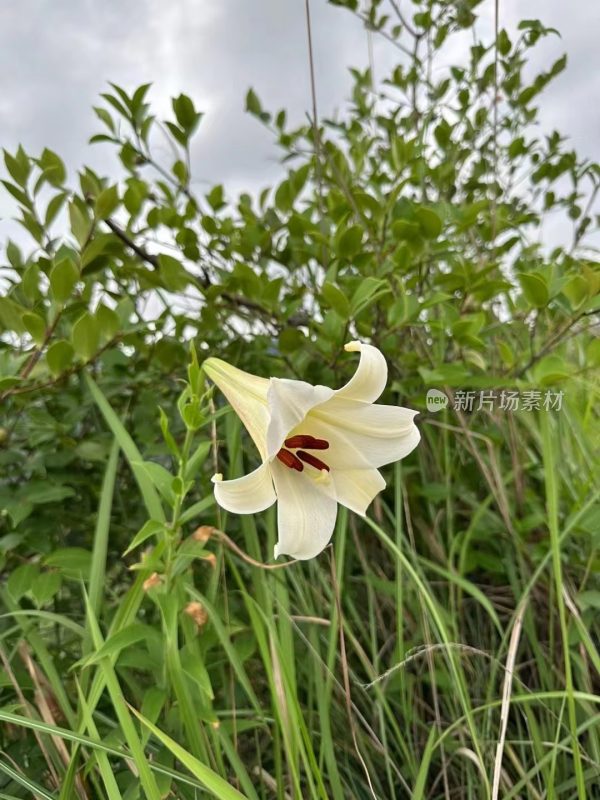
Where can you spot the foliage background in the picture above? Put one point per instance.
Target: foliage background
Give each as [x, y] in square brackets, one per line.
[409, 221]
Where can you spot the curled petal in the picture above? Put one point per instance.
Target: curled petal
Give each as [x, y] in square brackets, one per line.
[357, 488]
[306, 512]
[362, 435]
[246, 495]
[368, 382]
[247, 395]
[289, 403]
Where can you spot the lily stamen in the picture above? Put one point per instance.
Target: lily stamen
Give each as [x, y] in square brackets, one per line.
[307, 442]
[315, 462]
[290, 460]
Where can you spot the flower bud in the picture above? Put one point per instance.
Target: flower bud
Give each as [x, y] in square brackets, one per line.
[197, 612]
[203, 533]
[152, 582]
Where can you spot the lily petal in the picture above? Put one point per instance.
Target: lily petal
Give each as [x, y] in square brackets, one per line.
[357, 488]
[289, 403]
[370, 378]
[246, 495]
[247, 395]
[362, 435]
[306, 512]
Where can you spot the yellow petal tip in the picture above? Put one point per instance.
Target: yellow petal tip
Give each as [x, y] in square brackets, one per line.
[352, 347]
[217, 478]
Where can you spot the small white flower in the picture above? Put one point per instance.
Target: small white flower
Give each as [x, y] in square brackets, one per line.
[319, 447]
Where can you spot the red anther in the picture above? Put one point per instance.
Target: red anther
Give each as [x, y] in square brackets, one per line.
[290, 460]
[315, 462]
[309, 442]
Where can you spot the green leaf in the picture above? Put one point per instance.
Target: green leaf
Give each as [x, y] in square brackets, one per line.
[105, 117]
[212, 780]
[216, 197]
[124, 638]
[589, 599]
[18, 166]
[14, 255]
[45, 586]
[167, 435]
[73, 562]
[403, 229]
[63, 278]
[185, 113]
[550, 370]
[429, 222]
[150, 528]
[175, 277]
[7, 382]
[81, 225]
[108, 321]
[350, 241]
[195, 668]
[54, 207]
[450, 374]
[30, 283]
[253, 103]
[503, 43]
[506, 354]
[197, 460]
[85, 336]
[11, 315]
[191, 414]
[53, 168]
[576, 291]
[334, 297]
[284, 196]
[291, 340]
[188, 551]
[20, 580]
[535, 288]
[107, 202]
[160, 477]
[39, 492]
[59, 356]
[36, 326]
[19, 196]
[369, 290]
[403, 310]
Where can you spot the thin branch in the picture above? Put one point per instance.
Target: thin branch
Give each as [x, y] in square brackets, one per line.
[66, 374]
[315, 123]
[550, 344]
[230, 299]
[37, 353]
[396, 6]
[143, 254]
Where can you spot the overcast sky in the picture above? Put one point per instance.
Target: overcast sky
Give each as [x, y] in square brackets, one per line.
[56, 56]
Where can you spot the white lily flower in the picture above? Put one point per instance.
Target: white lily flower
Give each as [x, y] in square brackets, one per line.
[319, 447]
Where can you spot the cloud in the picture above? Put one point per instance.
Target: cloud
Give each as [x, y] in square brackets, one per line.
[56, 56]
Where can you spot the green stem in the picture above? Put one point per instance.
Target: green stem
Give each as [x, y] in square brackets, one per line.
[172, 531]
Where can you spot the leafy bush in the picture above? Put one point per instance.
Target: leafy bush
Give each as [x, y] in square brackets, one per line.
[382, 669]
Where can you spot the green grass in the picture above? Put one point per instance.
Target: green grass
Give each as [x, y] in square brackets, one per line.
[377, 670]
